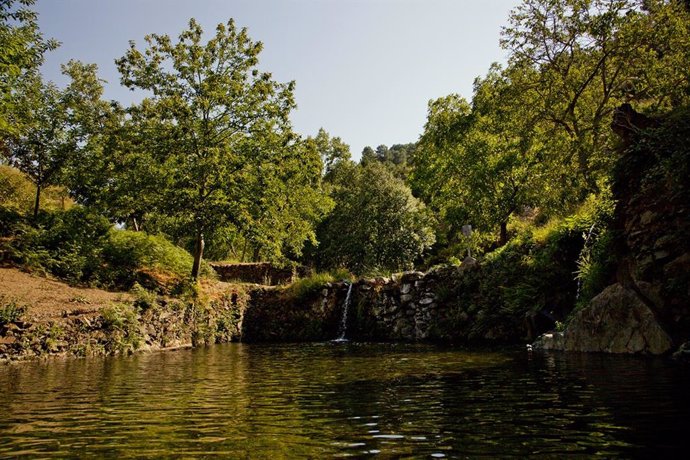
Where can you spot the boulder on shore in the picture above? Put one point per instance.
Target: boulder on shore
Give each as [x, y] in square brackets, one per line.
[615, 321]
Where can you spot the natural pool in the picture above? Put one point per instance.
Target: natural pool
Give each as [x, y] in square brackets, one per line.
[325, 400]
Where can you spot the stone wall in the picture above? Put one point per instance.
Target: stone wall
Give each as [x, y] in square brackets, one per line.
[411, 306]
[124, 329]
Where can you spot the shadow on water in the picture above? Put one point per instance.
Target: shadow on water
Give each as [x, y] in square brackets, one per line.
[276, 401]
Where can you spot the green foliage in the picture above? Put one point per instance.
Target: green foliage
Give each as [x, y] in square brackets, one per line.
[376, 225]
[331, 150]
[127, 252]
[18, 194]
[217, 131]
[478, 164]
[122, 324]
[10, 310]
[535, 273]
[21, 56]
[80, 246]
[67, 244]
[578, 60]
[16, 191]
[306, 287]
[143, 298]
[398, 158]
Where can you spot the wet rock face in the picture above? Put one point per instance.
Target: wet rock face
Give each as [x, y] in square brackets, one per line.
[616, 321]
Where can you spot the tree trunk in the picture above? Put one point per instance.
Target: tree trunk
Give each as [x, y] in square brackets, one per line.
[38, 200]
[135, 224]
[503, 239]
[198, 254]
[257, 254]
[244, 250]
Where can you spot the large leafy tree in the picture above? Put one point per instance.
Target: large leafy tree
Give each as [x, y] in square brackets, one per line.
[212, 121]
[22, 48]
[46, 141]
[287, 203]
[376, 225]
[579, 59]
[481, 163]
[56, 125]
[331, 149]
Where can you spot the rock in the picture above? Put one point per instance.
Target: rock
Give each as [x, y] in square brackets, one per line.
[658, 255]
[616, 321]
[683, 353]
[647, 217]
[426, 301]
[405, 289]
[7, 340]
[412, 276]
[365, 287]
[550, 341]
[469, 261]
[405, 298]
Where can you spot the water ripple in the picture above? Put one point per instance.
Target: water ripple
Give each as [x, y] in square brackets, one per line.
[313, 401]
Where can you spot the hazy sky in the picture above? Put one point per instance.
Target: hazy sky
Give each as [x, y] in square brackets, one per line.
[365, 69]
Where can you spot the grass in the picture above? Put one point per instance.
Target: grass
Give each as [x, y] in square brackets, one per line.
[305, 287]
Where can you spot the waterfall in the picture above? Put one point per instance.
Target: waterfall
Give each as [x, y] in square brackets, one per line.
[343, 321]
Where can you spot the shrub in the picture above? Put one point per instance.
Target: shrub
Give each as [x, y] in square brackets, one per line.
[67, 244]
[304, 287]
[126, 253]
[80, 246]
[143, 298]
[122, 324]
[10, 310]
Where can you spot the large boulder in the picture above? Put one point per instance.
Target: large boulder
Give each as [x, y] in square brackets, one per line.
[615, 321]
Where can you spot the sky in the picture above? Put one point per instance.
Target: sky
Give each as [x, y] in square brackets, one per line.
[365, 70]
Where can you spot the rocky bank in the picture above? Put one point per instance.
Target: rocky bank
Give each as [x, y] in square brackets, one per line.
[646, 308]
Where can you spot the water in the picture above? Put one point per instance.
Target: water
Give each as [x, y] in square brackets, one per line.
[333, 400]
[343, 321]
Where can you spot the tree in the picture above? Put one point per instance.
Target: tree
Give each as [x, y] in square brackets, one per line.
[21, 54]
[58, 126]
[331, 149]
[43, 148]
[376, 225]
[368, 155]
[288, 203]
[582, 58]
[212, 122]
[479, 164]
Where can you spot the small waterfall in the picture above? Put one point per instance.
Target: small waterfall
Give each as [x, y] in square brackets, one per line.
[343, 321]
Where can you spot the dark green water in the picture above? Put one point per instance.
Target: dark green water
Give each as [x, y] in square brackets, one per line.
[326, 400]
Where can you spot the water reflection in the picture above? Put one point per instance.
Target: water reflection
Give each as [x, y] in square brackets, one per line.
[285, 401]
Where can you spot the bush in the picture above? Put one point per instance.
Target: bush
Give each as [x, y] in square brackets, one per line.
[66, 244]
[10, 310]
[127, 253]
[122, 324]
[143, 298]
[81, 246]
[304, 287]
